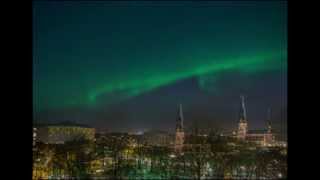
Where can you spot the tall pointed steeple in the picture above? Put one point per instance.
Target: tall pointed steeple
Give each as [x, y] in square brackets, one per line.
[243, 113]
[269, 121]
[269, 115]
[179, 140]
[242, 126]
[179, 125]
[269, 136]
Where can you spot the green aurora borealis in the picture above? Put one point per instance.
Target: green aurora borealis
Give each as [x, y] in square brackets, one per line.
[88, 53]
[141, 84]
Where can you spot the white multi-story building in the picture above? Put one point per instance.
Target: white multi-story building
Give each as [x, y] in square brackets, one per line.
[60, 133]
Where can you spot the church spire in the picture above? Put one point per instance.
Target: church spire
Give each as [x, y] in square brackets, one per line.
[269, 120]
[179, 126]
[269, 115]
[243, 126]
[179, 140]
[243, 113]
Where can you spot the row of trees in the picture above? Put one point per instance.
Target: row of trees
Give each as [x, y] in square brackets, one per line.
[212, 156]
[63, 160]
[216, 156]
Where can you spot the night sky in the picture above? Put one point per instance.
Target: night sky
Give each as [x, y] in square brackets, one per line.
[126, 66]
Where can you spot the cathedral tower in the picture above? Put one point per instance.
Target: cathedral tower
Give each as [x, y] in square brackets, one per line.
[269, 128]
[179, 140]
[242, 126]
[269, 136]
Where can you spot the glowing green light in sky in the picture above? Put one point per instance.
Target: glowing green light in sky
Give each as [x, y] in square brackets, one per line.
[141, 84]
[88, 54]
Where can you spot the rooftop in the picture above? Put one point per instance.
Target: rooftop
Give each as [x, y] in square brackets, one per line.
[66, 123]
[260, 131]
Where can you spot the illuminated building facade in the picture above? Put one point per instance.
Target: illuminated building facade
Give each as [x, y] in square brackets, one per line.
[260, 137]
[61, 133]
[157, 138]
